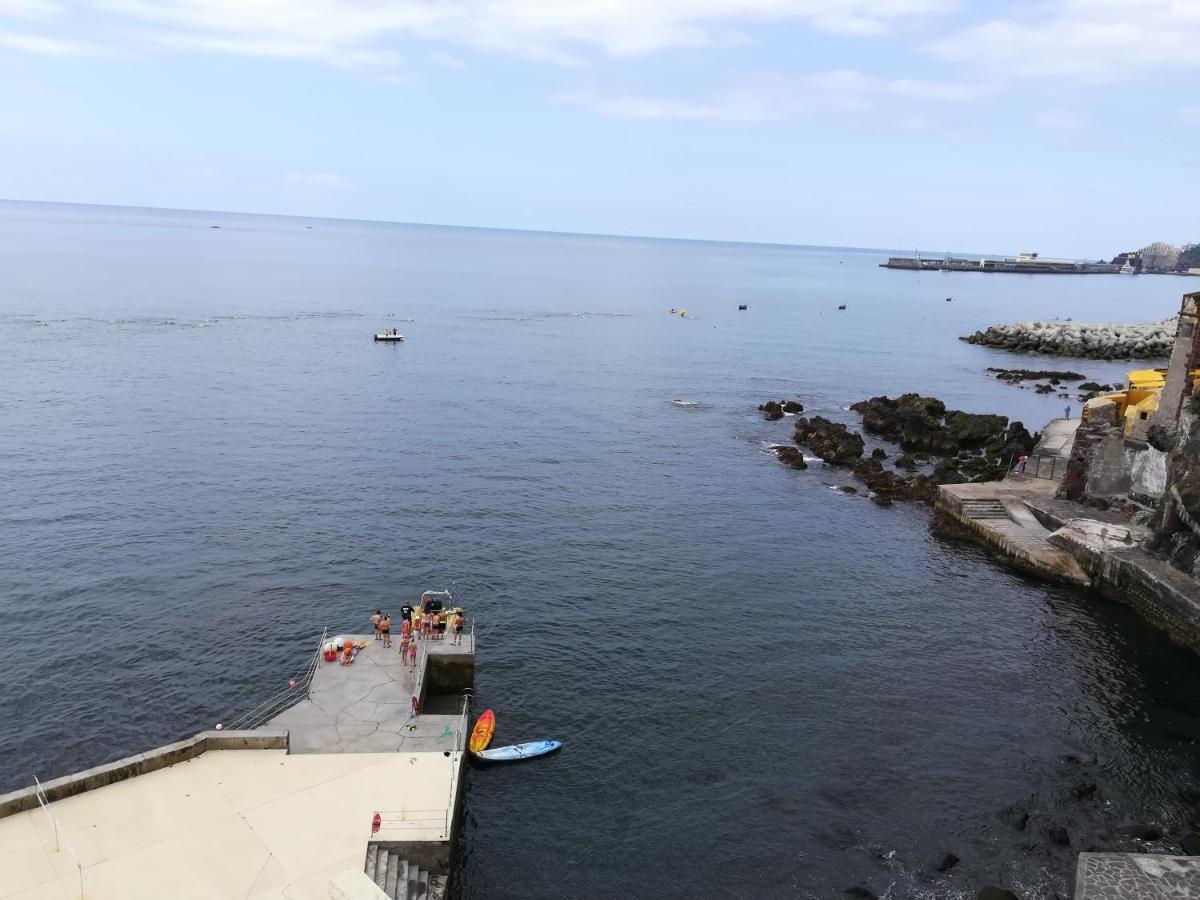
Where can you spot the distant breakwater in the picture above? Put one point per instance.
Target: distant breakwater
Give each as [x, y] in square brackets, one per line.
[1152, 340]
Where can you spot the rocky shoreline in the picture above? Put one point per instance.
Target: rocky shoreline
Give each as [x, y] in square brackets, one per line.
[937, 445]
[1152, 340]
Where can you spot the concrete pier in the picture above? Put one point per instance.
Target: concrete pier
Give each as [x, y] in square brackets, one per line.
[347, 794]
[997, 513]
[367, 707]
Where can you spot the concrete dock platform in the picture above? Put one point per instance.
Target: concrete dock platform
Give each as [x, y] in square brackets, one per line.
[367, 707]
[1136, 876]
[251, 824]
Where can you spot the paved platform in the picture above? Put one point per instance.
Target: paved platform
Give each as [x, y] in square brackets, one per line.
[1057, 437]
[367, 707]
[253, 824]
[1136, 876]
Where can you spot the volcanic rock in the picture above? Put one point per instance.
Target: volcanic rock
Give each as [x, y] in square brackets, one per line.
[832, 441]
[791, 456]
[772, 410]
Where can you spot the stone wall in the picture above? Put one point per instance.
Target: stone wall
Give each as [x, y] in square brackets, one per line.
[1162, 595]
[1185, 356]
[1147, 474]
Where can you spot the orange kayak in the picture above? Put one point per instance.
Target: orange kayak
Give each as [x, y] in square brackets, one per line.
[481, 734]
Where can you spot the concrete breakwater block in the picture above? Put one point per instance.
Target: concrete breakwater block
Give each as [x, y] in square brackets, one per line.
[1152, 340]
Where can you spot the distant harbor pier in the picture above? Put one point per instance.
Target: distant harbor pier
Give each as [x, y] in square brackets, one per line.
[1023, 263]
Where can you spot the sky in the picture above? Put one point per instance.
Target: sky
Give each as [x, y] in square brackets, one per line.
[1070, 127]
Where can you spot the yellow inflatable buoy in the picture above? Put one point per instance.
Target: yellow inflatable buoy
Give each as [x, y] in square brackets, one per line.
[683, 313]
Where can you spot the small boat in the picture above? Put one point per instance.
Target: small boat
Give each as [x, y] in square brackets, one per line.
[481, 734]
[742, 306]
[519, 751]
[843, 306]
[388, 336]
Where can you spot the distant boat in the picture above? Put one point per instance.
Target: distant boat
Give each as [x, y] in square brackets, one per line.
[388, 336]
[742, 306]
[843, 306]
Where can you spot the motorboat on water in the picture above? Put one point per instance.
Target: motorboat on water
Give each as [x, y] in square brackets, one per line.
[392, 335]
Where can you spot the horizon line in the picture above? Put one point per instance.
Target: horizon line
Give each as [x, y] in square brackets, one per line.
[543, 231]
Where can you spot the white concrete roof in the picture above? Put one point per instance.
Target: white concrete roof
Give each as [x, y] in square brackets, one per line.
[230, 823]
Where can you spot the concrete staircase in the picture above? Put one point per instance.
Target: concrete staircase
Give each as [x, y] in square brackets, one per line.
[985, 509]
[401, 880]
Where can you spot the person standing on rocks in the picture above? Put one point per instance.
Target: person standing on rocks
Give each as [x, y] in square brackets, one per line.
[385, 626]
[1021, 463]
[1067, 413]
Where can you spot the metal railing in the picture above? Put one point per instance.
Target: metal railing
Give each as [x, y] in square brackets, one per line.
[60, 839]
[1048, 467]
[285, 699]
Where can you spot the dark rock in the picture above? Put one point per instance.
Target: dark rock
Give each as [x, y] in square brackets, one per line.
[885, 484]
[975, 429]
[1084, 790]
[791, 456]
[793, 406]
[878, 453]
[996, 893]
[846, 489]
[865, 893]
[1016, 817]
[772, 410]
[1044, 389]
[1013, 376]
[1058, 835]
[906, 462]
[1190, 843]
[1140, 832]
[1160, 437]
[946, 862]
[833, 442]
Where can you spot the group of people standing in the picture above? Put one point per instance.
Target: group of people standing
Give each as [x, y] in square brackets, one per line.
[418, 624]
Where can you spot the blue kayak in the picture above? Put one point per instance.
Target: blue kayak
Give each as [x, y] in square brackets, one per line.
[518, 751]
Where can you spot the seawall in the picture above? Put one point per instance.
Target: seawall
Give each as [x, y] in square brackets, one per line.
[1152, 340]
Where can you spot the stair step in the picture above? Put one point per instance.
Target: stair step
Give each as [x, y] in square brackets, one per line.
[393, 868]
[369, 868]
[437, 887]
[401, 881]
[380, 874]
[422, 891]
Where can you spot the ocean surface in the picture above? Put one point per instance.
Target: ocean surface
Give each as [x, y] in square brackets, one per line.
[765, 688]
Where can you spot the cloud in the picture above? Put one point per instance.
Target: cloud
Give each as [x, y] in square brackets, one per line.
[319, 180]
[1059, 121]
[1102, 40]
[1190, 114]
[773, 97]
[557, 30]
[48, 46]
[28, 9]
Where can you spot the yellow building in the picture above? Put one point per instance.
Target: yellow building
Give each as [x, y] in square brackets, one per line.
[1133, 405]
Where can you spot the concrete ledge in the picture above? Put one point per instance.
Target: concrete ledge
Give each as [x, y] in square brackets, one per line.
[1135, 876]
[354, 885]
[142, 763]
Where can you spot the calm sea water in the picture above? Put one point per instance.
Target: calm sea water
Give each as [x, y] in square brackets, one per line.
[765, 688]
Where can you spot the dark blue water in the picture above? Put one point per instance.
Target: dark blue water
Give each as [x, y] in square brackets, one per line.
[765, 688]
